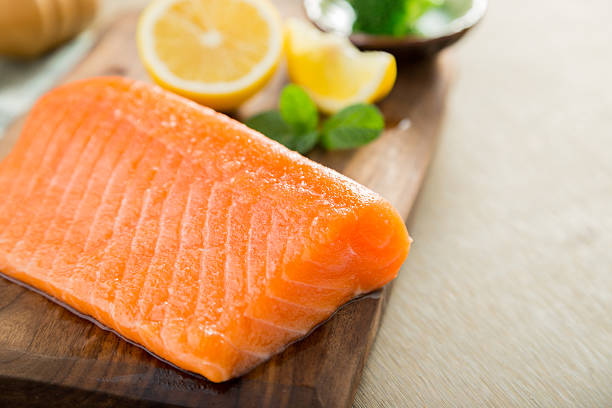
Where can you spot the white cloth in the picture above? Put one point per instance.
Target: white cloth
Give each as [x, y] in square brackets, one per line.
[22, 82]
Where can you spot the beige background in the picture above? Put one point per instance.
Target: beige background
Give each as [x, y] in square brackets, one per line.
[506, 299]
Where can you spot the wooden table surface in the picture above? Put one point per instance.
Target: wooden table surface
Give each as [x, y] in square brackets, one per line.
[506, 298]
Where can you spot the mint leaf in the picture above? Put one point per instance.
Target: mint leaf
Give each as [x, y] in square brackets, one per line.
[352, 127]
[296, 124]
[271, 124]
[298, 110]
[305, 142]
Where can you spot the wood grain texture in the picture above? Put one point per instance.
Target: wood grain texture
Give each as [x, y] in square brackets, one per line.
[47, 352]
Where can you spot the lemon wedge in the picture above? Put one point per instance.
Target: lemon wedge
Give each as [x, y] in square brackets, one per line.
[333, 71]
[216, 52]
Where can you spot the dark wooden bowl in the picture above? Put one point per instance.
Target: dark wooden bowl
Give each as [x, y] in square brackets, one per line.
[409, 46]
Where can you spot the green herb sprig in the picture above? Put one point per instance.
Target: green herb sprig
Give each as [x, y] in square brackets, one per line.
[296, 123]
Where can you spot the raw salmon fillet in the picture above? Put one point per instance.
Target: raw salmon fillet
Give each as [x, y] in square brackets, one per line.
[183, 230]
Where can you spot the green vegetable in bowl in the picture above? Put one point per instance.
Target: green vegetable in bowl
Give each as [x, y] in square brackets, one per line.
[389, 17]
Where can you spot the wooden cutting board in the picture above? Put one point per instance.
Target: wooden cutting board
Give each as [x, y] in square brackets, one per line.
[50, 357]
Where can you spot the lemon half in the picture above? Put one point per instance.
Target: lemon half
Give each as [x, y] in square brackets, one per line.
[216, 52]
[333, 71]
